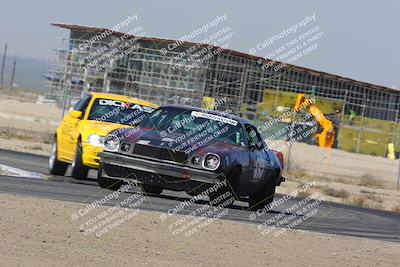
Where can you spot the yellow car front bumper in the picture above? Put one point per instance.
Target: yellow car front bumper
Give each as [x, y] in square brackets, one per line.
[90, 155]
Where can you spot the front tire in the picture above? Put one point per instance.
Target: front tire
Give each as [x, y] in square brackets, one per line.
[79, 171]
[107, 183]
[225, 196]
[56, 167]
[151, 189]
[264, 196]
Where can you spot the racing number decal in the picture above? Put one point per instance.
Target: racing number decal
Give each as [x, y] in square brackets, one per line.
[258, 168]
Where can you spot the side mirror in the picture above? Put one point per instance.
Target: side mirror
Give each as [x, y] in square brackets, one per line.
[260, 145]
[75, 114]
[256, 146]
[252, 146]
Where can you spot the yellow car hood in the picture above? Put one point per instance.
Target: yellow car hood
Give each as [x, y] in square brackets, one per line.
[101, 128]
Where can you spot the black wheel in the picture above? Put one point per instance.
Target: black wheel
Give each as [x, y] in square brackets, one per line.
[79, 171]
[192, 193]
[263, 197]
[151, 189]
[225, 195]
[56, 167]
[107, 183]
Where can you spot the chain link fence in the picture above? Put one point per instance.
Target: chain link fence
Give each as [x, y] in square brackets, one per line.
[365, 115]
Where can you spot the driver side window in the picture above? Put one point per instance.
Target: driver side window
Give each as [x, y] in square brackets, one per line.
[254, 139]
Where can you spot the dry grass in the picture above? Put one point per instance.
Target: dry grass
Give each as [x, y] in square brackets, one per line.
[370, 181]
[396, 209]
[35, 147]
[342, 193]
[368, 201]
[367, 191]
[305, 194]
[375, 206]
[30, 136]
[22, 95]
[349, 190]
[358, 201]
[345, 180]
[297, 173]
[374, 198]
[342, 180]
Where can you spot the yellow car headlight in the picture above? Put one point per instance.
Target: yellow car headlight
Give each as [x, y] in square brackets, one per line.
[95, 140]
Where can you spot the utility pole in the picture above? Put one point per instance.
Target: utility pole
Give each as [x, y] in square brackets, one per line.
[362, 123]
[2, 67]
[13, 74]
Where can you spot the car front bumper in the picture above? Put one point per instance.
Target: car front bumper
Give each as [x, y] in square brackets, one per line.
[90, 155]
[133, 166]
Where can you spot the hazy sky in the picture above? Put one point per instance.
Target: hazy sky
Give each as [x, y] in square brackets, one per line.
[361, 38]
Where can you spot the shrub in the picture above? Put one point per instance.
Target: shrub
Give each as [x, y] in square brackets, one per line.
[342, 193]
[368, 180]
[359, 201]
[396, 209]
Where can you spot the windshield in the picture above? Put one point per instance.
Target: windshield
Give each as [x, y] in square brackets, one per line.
[120, 112]
[193, 126]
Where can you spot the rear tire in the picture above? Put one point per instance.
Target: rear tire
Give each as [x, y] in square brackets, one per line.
[151, 189]
[56, 167]
[79, 171]
[107, 183]
[263, 197]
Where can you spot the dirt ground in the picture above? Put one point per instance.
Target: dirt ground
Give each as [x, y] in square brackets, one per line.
[337, 163]
[351, 192]
[39, 232]
[27, 126]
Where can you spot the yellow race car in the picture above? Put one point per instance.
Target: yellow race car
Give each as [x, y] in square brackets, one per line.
[79, 138]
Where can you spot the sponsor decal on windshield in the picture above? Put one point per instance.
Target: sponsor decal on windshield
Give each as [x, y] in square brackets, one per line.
[213, 117]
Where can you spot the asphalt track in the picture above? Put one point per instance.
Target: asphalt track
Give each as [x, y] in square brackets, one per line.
[330, 217]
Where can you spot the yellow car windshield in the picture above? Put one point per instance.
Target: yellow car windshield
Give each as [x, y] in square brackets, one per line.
[120, 112]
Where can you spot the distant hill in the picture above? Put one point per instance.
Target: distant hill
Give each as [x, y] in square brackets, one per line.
[29, 73]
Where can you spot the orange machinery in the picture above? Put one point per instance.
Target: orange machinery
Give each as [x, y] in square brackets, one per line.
[325, 138]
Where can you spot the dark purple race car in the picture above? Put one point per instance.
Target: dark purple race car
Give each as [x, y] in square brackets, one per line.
[184, 148]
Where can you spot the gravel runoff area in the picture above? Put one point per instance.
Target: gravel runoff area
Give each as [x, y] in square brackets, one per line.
[39, 232]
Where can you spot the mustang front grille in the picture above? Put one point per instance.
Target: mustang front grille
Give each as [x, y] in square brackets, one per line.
[160, 153]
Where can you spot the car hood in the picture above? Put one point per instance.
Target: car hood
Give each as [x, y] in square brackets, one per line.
[173, 141]
[101, 128]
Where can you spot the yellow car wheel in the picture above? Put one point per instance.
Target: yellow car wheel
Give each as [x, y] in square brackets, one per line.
[56, 167]
[79, 171]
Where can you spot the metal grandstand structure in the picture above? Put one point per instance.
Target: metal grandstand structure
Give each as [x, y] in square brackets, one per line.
[150, 72]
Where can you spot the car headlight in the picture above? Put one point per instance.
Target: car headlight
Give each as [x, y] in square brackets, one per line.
[196, 160]
[95, 140]
[111, 143]
[211, 162]
[126, 147]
